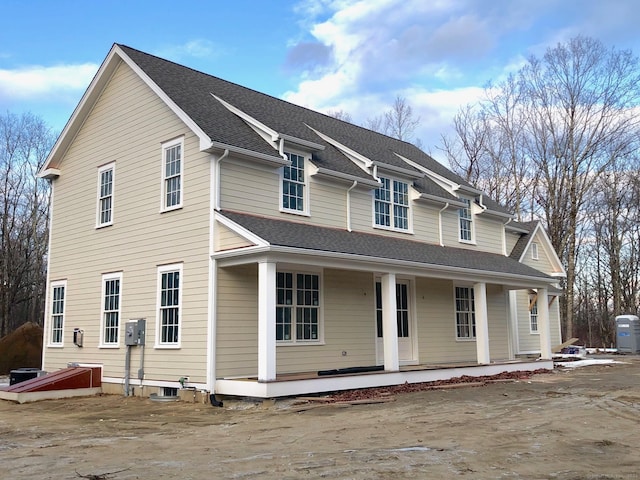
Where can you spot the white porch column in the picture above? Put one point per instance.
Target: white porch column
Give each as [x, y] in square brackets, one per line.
[543, 324]
[266, 321]
[390, 323]
[482, 323]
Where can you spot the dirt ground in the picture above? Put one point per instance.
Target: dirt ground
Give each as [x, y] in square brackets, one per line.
[581, 423]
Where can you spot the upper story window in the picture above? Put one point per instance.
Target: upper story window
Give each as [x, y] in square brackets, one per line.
[56, 316]
[111, 288]
[294, 188]
[297, 307]
[169, 305]
[465, 313]
[466, 221]
[172, 174]
[391, 204]
[106, 178]
[534, 251]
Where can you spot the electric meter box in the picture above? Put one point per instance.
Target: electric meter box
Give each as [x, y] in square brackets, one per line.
[134, 332]
[628, 334]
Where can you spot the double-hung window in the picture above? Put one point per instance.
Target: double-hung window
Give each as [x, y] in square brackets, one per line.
[169, 305]
[111, 295]
[56, 316]
[533, 314]
[465, 313]
[106, 178]
[172, 174]
[297, 307]
[466, 221]
[294, 184]
[391, 204]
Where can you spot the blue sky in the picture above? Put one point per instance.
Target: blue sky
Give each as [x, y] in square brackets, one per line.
[329, 55]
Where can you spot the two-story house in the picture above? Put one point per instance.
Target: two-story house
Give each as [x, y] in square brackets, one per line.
[273, 250]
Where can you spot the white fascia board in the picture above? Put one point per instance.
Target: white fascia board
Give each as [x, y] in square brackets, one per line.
[205, 141]
[367, 263]
[348, 178]
[399, 170]
[445, 183]
[90, 96]
[277, 161]
[360, 160]
[249, 119]
[243, 232]
[426, 197]
[49, 173]
[301, 142]
[548, 248]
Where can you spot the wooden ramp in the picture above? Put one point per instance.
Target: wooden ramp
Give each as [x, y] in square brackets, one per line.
[68, 382]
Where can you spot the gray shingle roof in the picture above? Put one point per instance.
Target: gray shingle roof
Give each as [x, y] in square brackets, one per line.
[521, 244]
[191, 91]
[312, 237]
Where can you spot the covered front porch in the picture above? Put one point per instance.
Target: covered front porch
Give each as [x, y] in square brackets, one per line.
[310, 382]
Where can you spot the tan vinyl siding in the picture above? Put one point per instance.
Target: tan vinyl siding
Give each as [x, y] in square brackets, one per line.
[245, 187]
[497, 308]
[437, 324]
[349, 326]
[512, 239]
[226, 239]
[328, 204]
[348, 319]
[528, 341]
[237, 322]
[425, 223]
[543, 263]
[127, 126]
[489, 234]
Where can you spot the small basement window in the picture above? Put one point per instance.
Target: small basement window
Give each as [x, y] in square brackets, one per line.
[169, 392]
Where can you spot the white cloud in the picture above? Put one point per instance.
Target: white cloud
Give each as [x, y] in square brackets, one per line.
[39, 81]
[198, 48]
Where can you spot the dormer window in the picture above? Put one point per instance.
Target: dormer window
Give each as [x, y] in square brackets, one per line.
[294, 184]
[466, 221]
[391, 204]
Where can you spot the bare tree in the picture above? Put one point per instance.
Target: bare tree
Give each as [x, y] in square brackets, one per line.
[399, 121]
[340, 115]
[375, 123]
[24, 209]
[551, 131]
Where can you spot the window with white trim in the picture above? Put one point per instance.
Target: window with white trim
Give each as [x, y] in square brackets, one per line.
[169, 305]
[56, 316]
[534, 251]
[106, 178]
[294, 184]
[391, 204]
[172, 174]
[111, 295]
[533, 313]
[466, 221]
[465, 313]
[297, 307]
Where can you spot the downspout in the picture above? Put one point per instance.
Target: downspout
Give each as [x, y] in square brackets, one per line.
[504, 236]
[446, 205]
[217, 174]
[355, 182]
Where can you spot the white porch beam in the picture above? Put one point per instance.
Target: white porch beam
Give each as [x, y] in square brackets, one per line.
[544, 326]
[266, 321]
[390, 323]
[482, 323]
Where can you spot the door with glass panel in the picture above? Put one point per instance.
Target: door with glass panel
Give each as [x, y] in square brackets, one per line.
[403, 318]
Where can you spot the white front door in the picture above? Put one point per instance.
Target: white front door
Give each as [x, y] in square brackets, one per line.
[405, 327]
